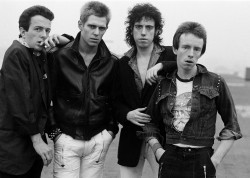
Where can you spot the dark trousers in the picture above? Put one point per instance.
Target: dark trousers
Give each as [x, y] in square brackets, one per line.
[179, 162]
[34, 172]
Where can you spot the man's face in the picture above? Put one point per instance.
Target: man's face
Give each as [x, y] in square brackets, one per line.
[38, 31]
[189, 51]
[144, 32]
[93, 30]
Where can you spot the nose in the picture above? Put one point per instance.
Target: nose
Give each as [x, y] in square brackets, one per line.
[97, 31]
[191, 53]
[143, 32]
[44, 34]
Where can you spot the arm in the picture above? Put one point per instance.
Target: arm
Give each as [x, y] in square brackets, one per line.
[113, 124]
[42, 149]
[156, 147]
[231, 130]
[125, 114]
[153, 128]
[161, 69]
[137, 117]
[120, 110]
[221, 151]
[53, 130]
[227, 111]
[57, 40]
[19, 99]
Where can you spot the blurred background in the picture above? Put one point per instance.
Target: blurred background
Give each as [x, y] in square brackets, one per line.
[228, 53]
[227, 24]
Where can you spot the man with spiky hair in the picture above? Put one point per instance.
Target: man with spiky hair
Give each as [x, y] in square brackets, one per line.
[82, 78]
[144, 27]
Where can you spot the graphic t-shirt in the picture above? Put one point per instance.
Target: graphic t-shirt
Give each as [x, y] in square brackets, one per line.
[182, 107]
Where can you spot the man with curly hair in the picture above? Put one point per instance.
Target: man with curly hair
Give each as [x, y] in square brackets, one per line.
[144, 27]
[82, 78]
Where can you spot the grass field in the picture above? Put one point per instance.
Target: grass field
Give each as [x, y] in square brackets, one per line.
[234, 165]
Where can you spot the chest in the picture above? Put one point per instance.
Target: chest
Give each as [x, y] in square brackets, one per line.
[142, 65]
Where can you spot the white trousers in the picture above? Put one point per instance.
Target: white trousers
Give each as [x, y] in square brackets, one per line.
[136, 172]
[81, 159]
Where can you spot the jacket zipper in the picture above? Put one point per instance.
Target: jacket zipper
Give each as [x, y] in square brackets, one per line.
[205, 171]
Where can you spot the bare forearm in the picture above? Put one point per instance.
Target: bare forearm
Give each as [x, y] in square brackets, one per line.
[221, 151]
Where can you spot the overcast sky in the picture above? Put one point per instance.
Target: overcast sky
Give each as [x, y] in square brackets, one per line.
[227, 24]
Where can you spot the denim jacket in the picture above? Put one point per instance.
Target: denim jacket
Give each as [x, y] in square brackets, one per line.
[210, 94]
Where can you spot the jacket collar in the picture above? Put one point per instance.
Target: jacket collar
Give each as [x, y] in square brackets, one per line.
[132, 51]
[102, 50]
[200, 70]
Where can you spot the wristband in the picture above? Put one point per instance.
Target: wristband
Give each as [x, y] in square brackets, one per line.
[156, 146]
[52, 135]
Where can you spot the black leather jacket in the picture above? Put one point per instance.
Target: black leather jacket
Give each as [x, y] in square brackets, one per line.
[81, 94]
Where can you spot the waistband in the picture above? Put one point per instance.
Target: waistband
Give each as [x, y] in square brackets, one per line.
[186, 149]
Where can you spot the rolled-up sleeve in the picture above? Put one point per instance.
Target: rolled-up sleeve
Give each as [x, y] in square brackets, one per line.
[227, 111]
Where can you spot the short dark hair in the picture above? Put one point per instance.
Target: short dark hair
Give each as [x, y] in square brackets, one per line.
[94, 8]
[136, 14]
[25, 17]
[190, 27]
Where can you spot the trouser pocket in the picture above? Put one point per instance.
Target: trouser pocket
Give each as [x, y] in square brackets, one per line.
[102, 143]
[207, 164]
[59, 161]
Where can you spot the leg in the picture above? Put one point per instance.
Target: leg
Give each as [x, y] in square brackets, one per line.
[205, 164]
[134, 172]
[67, 157]
[151, 160]
[96, 149]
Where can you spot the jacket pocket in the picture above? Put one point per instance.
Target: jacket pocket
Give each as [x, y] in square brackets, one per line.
[99, 107]
[207, 98]
[68, 106]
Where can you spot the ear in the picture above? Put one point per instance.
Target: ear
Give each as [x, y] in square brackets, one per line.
[174, 50]
[157, 32]
[80, 24]
[22, 32]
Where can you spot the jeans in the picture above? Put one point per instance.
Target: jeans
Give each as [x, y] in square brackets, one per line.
[80, 158]
[136, 172]
[177, 162]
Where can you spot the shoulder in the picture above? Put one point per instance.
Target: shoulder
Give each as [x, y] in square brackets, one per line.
[114, 56]
[17, 52]
[15, 48]
[212, 76]
[167, 52]
[167, 48]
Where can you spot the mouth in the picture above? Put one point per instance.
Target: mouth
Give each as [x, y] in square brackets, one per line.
[41, 43]
[189, 61]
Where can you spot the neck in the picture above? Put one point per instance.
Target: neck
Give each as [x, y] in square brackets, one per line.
[86, 49]
[183, 74]
[142, 52]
